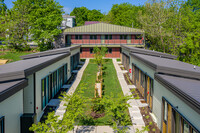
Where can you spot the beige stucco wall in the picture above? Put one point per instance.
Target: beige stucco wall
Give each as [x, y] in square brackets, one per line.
[12, 108]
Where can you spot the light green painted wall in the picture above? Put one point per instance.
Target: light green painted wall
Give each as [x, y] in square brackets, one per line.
[28, 101]
[12, 108]
[43, 73]
[186, 110]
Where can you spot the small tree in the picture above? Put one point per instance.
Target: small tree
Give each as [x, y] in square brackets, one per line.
[75, 108]
[116, 108]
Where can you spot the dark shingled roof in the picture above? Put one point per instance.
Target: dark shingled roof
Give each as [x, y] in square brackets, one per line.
[148, 52]
[169, 66]
[21, 69]
[187, 89]
[9, 88]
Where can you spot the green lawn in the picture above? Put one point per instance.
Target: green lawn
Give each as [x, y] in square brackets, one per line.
[12, 56]
[111, 85]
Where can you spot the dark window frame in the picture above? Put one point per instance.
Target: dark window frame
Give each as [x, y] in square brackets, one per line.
[91, 50]
[110, 50]
[108, 37]
[138, 37]
[78, 37]
[93, 37]
[2, 122]
[123, 37]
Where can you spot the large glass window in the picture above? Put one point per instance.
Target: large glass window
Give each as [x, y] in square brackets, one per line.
[185, 127]
[43, 92]
[93, 37]
[165, 111]
[78, 37]
[138, 36]
[123, 37]
[151, 87]
[108, 37]
[110, 50]
[2, 124]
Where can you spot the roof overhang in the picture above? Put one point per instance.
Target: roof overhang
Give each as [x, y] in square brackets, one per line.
[12, 89]
[103, 33]
[182, 95]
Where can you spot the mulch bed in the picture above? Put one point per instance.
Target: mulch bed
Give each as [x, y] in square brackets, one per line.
[136, 93]
[145, 111]
[127, 79]
[97, 115]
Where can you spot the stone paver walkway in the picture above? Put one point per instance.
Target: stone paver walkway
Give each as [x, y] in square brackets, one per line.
[134, 110]
[61, 108]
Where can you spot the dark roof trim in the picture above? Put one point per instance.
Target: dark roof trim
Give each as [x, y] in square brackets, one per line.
[26, 72]
[102, 33]
[182, 95]
[43, 65]
[149, 52]
[50, 52]
[12, 90]
[168, 70]
[148, 63]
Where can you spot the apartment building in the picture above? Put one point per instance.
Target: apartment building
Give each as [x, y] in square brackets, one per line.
[169, 87]
[102, 34]
[28, 85]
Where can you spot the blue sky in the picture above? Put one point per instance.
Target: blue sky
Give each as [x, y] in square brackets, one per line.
[103, 5]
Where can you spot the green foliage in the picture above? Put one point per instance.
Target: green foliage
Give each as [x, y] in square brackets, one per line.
[115, 107]
[123, 14]
[3, 7]
[75, 107]
[173, 27]
[144, 129]
[118, 60]
[97, 105]
[83, 14]
[147, 117]
[37, 20]
[99, 53]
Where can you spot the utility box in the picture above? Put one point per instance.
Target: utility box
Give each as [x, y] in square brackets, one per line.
[26, 122]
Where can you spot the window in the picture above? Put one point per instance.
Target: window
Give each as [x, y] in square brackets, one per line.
[91, 50]
[142, 79]
[151, 87]
[165, 111]
[123, 37]
[138, 36]
[80, 50]
[78, 37]
[43, 92]
[186, 127]
[108, 37]
[2, 124]
[93, 37]
[110, 50]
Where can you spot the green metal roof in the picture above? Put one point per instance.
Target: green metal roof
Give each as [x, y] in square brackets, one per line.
[102, 28]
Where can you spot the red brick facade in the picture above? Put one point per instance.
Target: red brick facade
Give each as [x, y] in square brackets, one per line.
[86, 53]
[115, 40]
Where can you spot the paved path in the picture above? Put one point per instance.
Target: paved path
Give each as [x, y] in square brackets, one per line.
[134, 110]
[61, 108]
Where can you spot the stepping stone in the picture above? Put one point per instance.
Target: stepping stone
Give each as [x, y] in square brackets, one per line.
[134, 109]
[124, 71]
[138, 122]
[54, 102]
[66, 86]
[81, 62]
[119, 62]
[75, 71]
[131, 86]
[136, 115]
[104, 129]
[121, 65]
[79, 65]
[86, 129]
